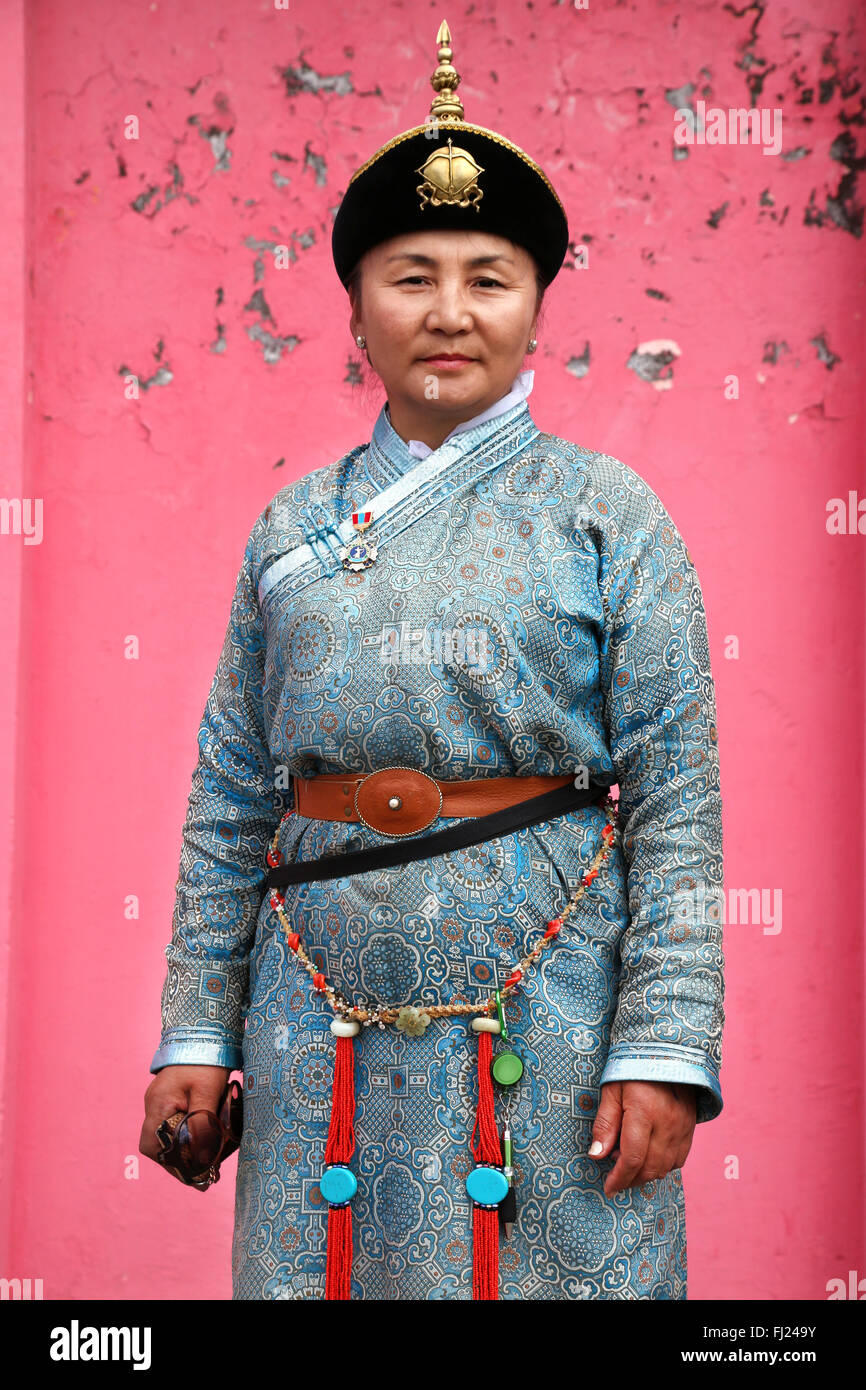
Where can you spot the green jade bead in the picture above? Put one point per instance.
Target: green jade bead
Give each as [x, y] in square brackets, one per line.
[507, 1068]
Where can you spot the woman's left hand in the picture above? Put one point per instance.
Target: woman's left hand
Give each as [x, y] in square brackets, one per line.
[654, 1121]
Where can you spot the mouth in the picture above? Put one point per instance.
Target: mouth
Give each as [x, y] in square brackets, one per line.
[452, 358]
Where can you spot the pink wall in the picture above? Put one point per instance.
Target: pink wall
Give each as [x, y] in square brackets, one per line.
[147, 255]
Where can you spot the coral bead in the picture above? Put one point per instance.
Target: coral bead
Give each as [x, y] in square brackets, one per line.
[319, 982]
[294, 940]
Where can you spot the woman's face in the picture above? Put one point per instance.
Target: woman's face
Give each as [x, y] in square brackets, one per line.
[424, 294]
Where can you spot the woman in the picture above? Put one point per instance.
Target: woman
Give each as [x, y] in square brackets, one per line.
[473, 1064]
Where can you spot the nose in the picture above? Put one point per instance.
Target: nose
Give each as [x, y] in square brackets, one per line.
[449, 311]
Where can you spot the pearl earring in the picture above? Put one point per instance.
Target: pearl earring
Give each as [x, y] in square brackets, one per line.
[361, 340]
[533, 344]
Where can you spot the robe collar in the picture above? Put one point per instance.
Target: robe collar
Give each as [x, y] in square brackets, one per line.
[402, 456]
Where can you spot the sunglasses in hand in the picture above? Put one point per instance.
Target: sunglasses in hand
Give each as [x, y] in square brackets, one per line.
[195, 1143]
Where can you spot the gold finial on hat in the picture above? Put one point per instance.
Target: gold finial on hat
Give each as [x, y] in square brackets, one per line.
[450, 173]
[446, 105]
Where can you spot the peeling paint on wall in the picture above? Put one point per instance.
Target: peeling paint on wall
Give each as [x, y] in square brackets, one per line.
[579, 366]
[653, 362]
[300, 77]
[824, 354]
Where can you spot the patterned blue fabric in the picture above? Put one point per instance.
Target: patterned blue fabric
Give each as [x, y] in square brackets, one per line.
[596, 657]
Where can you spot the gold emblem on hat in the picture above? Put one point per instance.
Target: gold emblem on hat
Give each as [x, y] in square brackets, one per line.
[450, 174]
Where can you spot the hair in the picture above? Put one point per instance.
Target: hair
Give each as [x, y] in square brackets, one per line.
[353, 289]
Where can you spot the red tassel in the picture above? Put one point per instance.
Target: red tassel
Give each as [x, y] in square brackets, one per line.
[338, 1279]
[485, 1224]
[339, 1149]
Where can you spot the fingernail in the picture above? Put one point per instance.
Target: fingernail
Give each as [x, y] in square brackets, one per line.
[597, 1147]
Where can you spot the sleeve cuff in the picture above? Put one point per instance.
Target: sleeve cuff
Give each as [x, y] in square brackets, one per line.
[667, 1062]
[192, 1047]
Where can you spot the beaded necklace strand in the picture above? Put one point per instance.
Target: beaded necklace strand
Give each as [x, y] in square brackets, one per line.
[490, 1183]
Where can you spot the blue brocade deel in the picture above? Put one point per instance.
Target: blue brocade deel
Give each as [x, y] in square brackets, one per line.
[595, 656]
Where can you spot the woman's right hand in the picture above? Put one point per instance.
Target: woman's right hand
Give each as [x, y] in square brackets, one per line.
[183, 1088]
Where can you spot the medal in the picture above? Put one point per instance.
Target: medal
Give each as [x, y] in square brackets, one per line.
[359, 554]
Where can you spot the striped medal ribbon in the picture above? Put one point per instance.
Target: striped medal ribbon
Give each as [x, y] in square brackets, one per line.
[359, 554]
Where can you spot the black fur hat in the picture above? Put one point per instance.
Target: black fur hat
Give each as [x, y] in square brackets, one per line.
[447, 175]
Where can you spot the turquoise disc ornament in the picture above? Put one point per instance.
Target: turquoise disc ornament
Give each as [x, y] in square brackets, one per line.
[487, 1185]
[338, 1185]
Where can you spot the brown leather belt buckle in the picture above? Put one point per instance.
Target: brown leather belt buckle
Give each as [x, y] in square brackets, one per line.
[398, 800]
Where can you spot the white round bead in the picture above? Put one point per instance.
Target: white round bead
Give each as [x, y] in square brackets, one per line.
[485, 1025]
[345, 1027]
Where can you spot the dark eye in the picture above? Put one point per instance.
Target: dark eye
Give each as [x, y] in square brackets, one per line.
[482, 280]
